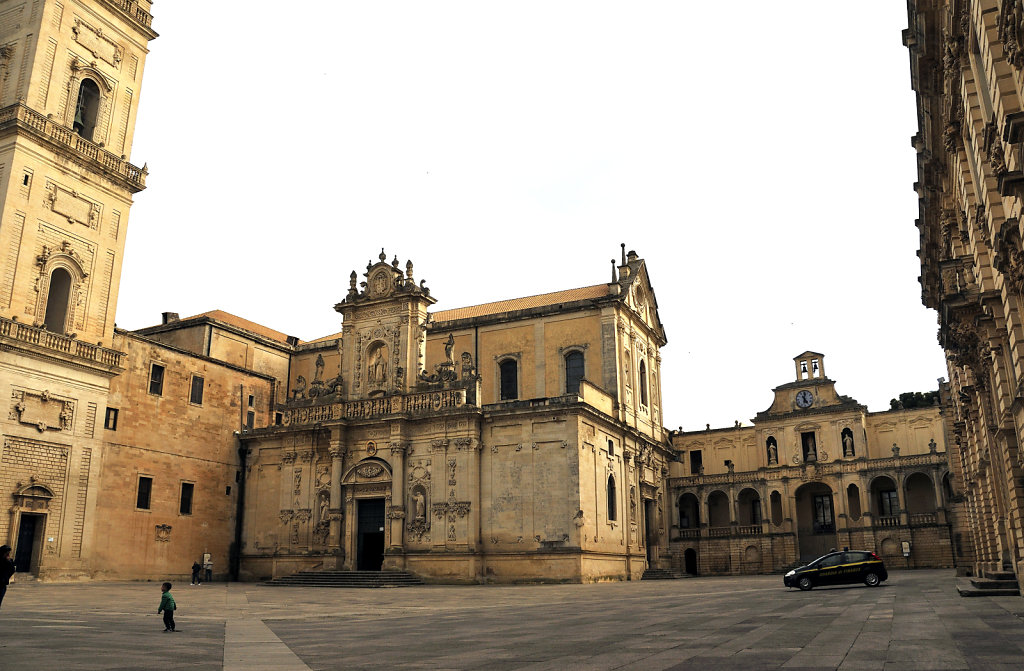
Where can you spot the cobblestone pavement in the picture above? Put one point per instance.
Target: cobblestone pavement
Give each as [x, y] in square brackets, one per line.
[916, 620]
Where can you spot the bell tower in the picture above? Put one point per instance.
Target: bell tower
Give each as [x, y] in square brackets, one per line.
[70, 74]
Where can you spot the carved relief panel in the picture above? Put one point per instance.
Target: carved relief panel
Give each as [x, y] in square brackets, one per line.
[42, 410]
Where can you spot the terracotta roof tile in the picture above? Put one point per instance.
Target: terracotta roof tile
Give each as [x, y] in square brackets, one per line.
[525, 303]
[253, 327]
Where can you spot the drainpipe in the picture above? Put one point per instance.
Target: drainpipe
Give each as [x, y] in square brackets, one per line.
[236, 553]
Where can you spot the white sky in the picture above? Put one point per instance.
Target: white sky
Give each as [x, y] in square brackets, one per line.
[756, 154]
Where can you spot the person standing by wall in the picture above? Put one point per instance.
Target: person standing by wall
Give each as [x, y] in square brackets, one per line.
[6, 570]
[208, 567]
[196, 568]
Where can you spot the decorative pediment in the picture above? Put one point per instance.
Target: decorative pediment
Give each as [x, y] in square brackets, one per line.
[368, 470]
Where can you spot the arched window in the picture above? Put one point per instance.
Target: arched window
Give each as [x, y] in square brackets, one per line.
[643, 383]
[509, 372]
[573, 372]
[87, 109]
[612, 504]
[57, 300]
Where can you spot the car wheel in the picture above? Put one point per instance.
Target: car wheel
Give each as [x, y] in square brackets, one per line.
[805, 584]
[871, 580]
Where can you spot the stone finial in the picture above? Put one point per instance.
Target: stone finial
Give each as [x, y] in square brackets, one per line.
[352, 281]
[932, 446]
[895, 450]
[394, 261]
[382, 256]
[622, 245]
[408, 270]
[615, 278]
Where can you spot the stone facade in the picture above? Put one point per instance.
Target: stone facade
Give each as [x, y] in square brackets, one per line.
[816, 471]
[464, 445]
[966, 63]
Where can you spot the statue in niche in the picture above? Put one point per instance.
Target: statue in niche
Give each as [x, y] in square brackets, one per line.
[773, 452]
[377, 372]
[325, 503]
[847, 445]
[419, 504]
[810, 453]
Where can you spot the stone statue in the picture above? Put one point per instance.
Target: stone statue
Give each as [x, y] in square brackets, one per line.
[810, 453]
[419, 505]
[847, 445]
[319, 375]
[378, 371]
[324, 504]
[773, 454]
[448, 347]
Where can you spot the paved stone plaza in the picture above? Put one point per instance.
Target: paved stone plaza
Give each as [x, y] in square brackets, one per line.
[914, 621]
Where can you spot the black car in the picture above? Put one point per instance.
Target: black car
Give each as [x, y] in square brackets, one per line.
[837, 568]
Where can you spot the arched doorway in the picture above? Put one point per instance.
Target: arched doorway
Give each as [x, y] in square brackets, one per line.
[689, 512]
[815, 515]
[57, 300]
[690, 561]
[29, 516]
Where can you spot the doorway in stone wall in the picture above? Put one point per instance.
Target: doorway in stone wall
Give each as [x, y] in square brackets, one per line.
[30, 542]
[370, 534]
[690, 561]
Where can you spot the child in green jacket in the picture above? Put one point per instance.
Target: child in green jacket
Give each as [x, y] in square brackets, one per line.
[168, 606]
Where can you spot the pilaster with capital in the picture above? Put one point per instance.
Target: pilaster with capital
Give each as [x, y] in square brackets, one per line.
[336, 450]
[397, 447]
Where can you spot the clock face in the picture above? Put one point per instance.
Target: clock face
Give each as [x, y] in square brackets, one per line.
[804, 399]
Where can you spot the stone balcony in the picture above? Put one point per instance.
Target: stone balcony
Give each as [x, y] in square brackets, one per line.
[67, 142]
[36, 341]
[137, 12]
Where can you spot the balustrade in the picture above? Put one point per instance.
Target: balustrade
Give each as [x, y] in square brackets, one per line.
[887, 521]
[19, 113]
[57, 342]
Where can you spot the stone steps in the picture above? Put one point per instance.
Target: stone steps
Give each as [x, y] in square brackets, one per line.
[990, 583]
[347, 579]
[662, 574]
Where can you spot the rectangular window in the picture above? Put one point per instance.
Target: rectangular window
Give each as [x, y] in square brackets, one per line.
[696, 462]
[196, 396]
[611, 447]
[823, 520]
[888, 504]
[185, 504]
[156, 379]
[145, 492]
[110, 421]
[250, 419]
[252, 401]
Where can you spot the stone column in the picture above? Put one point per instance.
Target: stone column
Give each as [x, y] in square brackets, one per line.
[902, 498]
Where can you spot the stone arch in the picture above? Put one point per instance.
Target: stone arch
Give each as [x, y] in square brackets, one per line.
[815, 516]
[919, 493]
[689, 511]
[884, 499]
[718, 509]
[748, 507]
[368, 470]
[68, 261]
[80, 73]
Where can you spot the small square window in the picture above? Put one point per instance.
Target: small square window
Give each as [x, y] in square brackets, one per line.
[110, 421]
[196, 396]
[156, 379]
[142, 499]
[185, 505]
